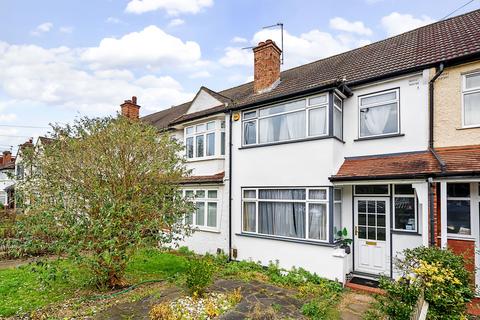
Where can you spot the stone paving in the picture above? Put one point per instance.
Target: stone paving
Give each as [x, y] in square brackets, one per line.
[354, 305]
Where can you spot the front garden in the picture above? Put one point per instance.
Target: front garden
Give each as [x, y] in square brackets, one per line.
[168, 285]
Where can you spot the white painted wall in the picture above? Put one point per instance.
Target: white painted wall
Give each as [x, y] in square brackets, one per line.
[203, 101]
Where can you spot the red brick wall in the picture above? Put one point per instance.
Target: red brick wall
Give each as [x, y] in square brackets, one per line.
[465, 248]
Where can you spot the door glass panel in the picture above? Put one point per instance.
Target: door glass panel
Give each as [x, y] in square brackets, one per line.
[362, 219]
[371, 220]
[381, 235]
[371, 233]
[381, 220]
[371, 206]
[362, 206]
[380, 206]
[362, 232]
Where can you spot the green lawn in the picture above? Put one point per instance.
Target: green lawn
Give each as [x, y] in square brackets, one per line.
[27, 287]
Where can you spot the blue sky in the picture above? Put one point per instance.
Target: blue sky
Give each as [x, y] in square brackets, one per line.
[63, 59]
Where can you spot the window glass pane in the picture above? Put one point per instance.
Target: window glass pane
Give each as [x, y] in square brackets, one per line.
[371, 220]
[212, 194]
[212, 214]
[362, 232]
[222, 124]
[211, 144]
[381, 206]
[371, 189]
[200, 127]
[282, 219]
[337, 219]
[189, 130]
[250, 132]
[283, 127]
[249, 217]
[211, 125]
[405, 213]
[381, 220]
[189, 194]
[317, 218]
[200, 145]
[472, 109]
[320, 194]
[404, 189]
[379, 120]
[362, 219]
[282, 194]
[337, 101]
[317, 100]
[189, 147]
[189, 218]
[337, 194]
[389, 96]
[317, 121]
[337, 123]
[200, 214]
[222, 143]
[201, 194]
[472, 81]
[458, 217]
[249, 115]
[458, 190]
[371, 233]
[362, 206]
[381, 235]
[283, 108]
[252, 194]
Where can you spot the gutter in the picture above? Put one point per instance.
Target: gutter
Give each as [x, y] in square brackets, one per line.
[230, 144]
[431, 103]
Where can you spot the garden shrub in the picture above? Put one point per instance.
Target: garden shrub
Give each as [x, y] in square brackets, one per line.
[199, 275]
[440, 274]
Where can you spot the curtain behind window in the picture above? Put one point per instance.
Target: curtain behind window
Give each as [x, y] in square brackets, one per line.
[378, 120]
[282, 219]
[282, 127]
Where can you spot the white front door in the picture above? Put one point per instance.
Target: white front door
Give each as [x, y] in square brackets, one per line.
[372, 235]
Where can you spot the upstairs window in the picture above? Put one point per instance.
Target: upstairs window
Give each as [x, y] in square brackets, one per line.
[201, 140]
[379, 114]
[288, 121]
[471, 99]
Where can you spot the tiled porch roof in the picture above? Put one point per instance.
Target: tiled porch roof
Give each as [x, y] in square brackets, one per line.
[449, 161]
[392, 166]
[215, 178]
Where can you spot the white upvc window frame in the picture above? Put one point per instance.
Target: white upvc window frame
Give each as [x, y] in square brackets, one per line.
[307, 202]
[471, 198]
[465, 92]
[414, 196]
[373, 105]
[339, 109]
[306, 108]
[219, 128]
[206, 200]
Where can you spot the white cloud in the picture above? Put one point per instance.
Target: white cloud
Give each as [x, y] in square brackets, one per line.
[66, 29]
[7, 117]
[151, 46]
[176, 22]
[239, 40]
[172, 7]
[357, 27]
[301, 49]
[200, 74]
[396, 23]
[42, 28]
[113, 20]
[58, 77]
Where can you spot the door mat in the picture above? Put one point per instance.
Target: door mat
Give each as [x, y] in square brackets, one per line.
[365, 282]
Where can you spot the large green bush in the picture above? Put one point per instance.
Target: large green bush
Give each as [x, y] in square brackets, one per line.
[199, 275]
[441, 276]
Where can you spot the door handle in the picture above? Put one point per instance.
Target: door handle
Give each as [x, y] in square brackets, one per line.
[356, 230]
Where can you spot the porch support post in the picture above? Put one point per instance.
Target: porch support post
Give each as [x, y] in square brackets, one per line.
[443, 214]
[421, 189]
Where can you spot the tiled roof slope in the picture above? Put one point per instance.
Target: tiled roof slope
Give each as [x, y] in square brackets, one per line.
[460, 160]
[215, 178]
[443, 41]
[402, 165]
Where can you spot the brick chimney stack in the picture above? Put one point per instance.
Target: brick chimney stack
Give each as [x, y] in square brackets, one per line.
[130, 109]
[266, 65]
[7, 157]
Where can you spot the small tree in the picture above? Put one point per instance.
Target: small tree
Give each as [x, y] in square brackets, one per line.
[110, 186]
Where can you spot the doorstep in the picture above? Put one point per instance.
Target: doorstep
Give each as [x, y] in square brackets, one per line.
[368, 288]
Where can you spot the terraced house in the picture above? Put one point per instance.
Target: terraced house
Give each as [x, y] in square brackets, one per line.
[382, 140]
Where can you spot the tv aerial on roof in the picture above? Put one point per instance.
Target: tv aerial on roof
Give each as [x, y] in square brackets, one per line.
[278, 24]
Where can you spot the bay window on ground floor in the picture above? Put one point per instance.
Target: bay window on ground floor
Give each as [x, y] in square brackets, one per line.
[206, 202]
[296, 213]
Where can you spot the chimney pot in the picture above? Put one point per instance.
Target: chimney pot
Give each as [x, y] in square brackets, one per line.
[266, 65]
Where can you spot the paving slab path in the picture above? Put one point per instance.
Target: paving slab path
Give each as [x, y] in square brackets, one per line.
[354, 305]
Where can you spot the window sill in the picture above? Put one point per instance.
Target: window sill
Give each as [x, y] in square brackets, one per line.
[203, 229]
[460, 237]
[205, 159]
[381, 137]
[301, 241]
[469, 127]
[286, 142]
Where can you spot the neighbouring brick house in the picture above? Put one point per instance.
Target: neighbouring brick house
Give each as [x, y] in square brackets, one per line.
[377, 140]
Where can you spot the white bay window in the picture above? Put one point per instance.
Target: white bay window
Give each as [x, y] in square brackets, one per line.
[299, 213]
[205, 140]
[471, 99]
